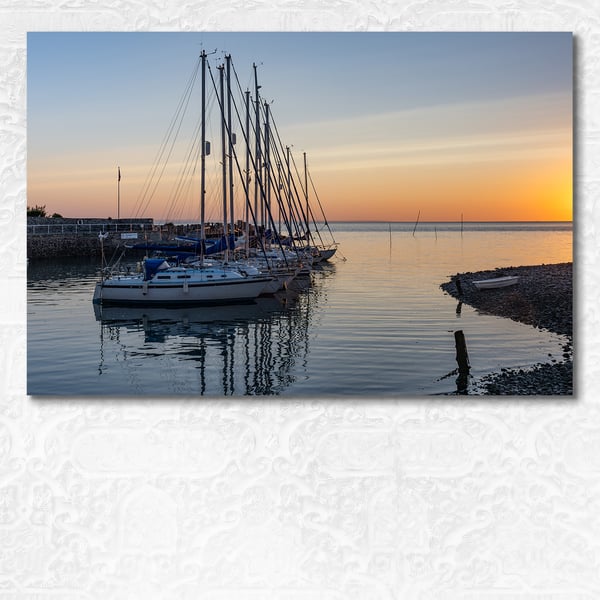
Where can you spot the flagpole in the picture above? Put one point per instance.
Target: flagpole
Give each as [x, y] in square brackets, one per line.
[119, 193]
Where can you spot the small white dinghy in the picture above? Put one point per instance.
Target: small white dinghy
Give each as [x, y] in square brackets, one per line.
[496, 282]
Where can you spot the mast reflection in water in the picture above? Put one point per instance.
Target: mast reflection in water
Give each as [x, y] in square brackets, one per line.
[249, 349]
[377, 325]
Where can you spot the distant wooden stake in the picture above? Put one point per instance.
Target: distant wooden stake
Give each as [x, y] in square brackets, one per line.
[418, 215]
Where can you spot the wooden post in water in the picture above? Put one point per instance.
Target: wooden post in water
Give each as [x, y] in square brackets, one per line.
[462, 358]
[458, 284]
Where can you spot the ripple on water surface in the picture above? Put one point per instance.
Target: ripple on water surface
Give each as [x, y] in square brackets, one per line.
[375, 325]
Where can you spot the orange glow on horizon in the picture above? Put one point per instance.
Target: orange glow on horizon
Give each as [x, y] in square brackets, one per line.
[540, 191]
[472, 126]
[537, 188]
[543, 194]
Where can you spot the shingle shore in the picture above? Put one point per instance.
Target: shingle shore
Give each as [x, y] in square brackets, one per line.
[543, 298]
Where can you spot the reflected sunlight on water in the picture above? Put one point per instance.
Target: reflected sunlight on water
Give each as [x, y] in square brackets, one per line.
[376, 324]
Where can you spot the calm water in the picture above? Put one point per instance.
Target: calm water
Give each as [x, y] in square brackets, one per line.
[376, 324]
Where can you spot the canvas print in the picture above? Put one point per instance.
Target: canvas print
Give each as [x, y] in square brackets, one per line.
[310, 215]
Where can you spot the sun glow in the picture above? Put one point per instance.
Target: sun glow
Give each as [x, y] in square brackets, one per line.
[492, 148]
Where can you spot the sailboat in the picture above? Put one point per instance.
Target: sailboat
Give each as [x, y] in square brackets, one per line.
[159, 283]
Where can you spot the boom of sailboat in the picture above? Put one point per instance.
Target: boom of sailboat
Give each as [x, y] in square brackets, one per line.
[279, 237]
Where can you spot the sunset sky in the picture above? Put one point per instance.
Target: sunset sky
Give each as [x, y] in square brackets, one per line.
[445, 124]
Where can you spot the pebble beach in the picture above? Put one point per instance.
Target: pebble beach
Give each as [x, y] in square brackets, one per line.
[543, 298]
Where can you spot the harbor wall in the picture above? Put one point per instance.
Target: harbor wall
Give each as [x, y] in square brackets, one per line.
[49, 237]
[61, 237]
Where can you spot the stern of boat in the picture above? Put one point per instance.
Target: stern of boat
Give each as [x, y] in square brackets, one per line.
[97, 297]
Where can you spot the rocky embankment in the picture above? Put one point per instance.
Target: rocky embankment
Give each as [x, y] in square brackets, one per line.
[543, 298]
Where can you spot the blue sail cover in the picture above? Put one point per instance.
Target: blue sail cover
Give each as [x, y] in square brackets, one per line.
[211, 246]
[220, 245]
[191, 246]
[168, 248]
[152, 265]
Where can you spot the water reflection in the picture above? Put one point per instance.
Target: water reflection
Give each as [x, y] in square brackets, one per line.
[373, 329]
[69, 268]
[250, 349]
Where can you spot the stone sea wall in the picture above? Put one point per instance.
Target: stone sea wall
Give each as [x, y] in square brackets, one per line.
[55, 246]
[55, 237]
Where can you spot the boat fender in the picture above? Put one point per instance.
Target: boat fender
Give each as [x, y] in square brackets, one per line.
[145, 288]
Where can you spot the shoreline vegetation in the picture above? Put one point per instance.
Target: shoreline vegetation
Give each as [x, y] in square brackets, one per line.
[543, 298]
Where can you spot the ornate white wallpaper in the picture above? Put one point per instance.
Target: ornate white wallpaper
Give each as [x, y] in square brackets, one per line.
[298, 500]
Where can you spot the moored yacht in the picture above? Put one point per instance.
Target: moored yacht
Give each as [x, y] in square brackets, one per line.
[162, 284]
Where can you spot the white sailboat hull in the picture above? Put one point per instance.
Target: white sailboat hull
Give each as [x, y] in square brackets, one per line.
[136, 291]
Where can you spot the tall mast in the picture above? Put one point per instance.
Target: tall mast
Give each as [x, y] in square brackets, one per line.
[223, 153]
[306, 196]
[247, 215]
[278, 194]
[267, 159]
[231, 142]
[257, 137]
[118, 192]
[203, 156]
[289, 184]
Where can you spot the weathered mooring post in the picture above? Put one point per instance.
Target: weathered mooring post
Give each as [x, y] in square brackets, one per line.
[462, 358]
[458, 284]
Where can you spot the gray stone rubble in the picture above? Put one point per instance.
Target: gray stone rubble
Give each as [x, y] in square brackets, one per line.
[543, 298]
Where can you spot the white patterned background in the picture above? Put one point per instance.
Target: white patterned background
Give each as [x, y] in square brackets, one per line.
[298, 500]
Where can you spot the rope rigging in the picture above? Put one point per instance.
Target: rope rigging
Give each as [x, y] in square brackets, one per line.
[290, 193]
[165, 149]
